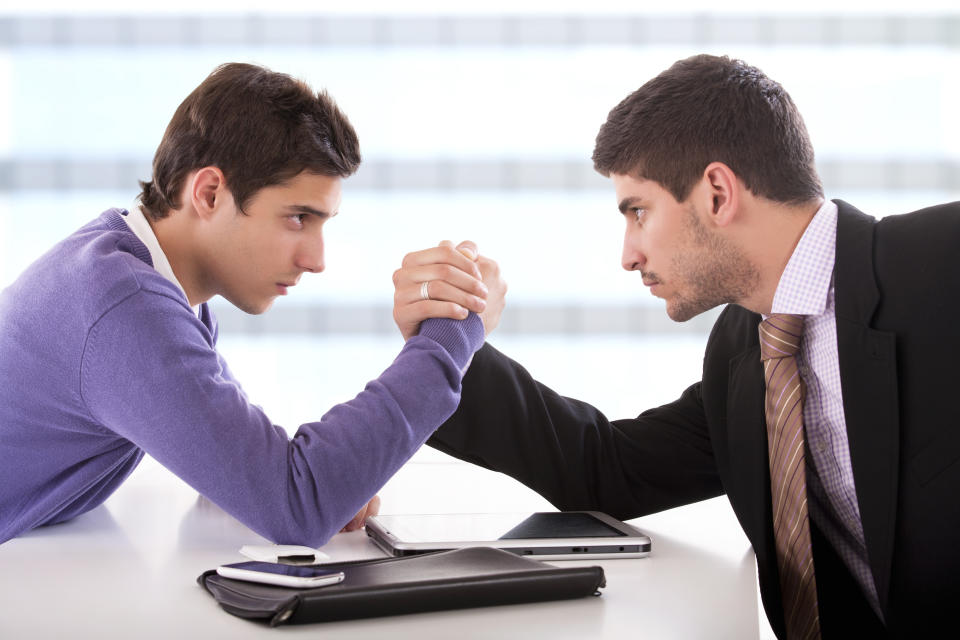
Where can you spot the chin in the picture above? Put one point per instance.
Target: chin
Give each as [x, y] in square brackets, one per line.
[679, 312]
[683, 310]
[254, 308]
[262, 307]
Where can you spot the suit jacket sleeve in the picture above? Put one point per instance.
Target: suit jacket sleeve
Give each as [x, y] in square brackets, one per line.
[570, 453]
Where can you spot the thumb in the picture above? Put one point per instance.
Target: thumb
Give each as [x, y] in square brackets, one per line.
[469, 249]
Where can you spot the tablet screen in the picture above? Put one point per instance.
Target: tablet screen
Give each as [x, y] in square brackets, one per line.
[561, 525]
[496, 526]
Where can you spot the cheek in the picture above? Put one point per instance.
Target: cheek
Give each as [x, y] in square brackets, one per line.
[266, 247]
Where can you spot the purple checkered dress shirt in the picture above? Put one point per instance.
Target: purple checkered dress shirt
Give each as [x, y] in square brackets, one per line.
[806, 288]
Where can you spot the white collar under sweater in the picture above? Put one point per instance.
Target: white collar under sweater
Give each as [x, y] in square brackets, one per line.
[141, 228]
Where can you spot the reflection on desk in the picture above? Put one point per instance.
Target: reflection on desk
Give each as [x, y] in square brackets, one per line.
[128, 569]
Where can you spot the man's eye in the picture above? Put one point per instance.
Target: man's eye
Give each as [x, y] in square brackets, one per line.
[639, 213]
[298, 218]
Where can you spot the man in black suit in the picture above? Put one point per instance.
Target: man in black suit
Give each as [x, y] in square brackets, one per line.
[714, 174]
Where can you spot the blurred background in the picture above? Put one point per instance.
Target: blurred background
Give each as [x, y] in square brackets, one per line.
[477, 120]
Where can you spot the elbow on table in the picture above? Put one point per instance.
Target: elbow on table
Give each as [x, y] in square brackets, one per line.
[295, 523]
[313, 530]
[314, 534]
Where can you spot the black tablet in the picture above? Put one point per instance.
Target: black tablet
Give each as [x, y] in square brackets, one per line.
[561, 535]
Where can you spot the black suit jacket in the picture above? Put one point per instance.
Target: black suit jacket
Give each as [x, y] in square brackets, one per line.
[897, 282]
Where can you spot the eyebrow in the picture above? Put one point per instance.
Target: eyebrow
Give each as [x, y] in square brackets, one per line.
[629, 202]
[302, 208]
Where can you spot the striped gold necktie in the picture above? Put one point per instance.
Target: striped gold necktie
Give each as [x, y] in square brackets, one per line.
[780, 336]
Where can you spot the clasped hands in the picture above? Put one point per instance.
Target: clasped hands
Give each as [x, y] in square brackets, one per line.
[447, 281]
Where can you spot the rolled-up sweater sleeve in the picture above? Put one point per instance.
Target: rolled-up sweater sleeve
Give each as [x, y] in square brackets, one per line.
[150, 373]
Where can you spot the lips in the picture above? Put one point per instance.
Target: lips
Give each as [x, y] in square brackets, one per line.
[283, 285]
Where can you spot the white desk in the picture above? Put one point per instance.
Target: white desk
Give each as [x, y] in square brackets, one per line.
[128, 570]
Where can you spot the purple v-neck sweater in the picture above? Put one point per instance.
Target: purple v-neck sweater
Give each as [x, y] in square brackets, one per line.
[102, 360]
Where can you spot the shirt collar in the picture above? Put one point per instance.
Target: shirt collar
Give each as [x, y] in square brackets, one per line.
[805, 284]
[141, 228]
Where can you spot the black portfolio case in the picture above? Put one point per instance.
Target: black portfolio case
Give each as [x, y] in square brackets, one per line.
[474, 577]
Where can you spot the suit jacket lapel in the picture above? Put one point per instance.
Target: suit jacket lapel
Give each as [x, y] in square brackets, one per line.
[868, 378]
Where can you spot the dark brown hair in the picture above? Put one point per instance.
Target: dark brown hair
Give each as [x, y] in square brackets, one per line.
[259, 127]
[711, 109]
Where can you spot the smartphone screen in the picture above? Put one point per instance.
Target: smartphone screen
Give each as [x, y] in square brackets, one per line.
[299, 571]
[285, 575]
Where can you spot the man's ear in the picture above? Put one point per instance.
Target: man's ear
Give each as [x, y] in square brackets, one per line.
[724, 192]
[208, 188]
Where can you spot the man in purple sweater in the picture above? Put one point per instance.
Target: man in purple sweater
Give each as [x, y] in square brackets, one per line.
[108, 348]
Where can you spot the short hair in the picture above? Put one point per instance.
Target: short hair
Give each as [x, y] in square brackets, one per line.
[707, 109]
[259, 127]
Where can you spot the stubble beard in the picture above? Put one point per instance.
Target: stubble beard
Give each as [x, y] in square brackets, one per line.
[712, 271]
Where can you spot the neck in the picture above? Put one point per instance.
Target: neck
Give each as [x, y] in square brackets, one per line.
[773, 236]
[174, 240]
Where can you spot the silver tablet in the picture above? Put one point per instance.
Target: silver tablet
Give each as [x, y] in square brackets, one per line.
[563, 535]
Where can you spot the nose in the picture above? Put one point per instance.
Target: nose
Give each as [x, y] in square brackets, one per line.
[310, 255]
[632, 258]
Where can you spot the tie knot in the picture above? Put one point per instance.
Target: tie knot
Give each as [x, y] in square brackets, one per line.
[780, 336]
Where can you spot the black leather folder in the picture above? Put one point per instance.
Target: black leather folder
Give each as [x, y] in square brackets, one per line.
[473, 577]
